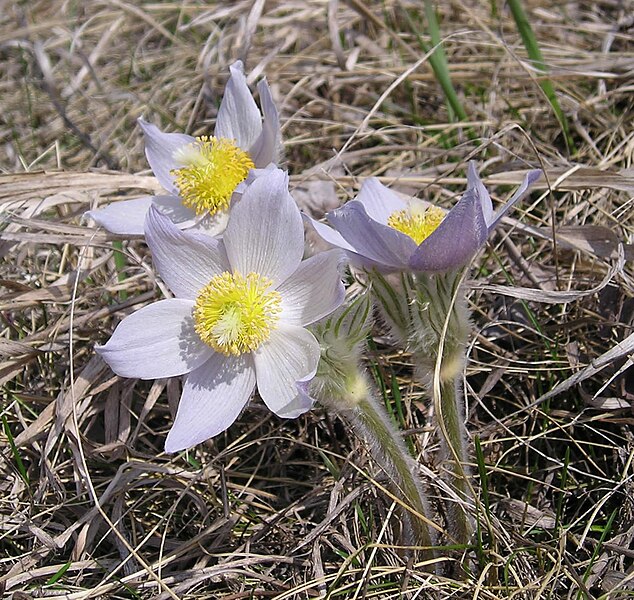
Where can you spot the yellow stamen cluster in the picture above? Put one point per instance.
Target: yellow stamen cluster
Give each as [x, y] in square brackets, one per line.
[235, 314]
[212, 168]
[419, 225]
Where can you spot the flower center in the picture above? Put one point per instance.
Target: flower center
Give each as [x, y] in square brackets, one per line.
[235, 314]
[417, 222]
[212, 168]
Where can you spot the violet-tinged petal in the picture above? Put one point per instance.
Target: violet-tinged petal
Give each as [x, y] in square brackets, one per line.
[380, 243]
[328, 234]
[475, 185]
[334, 238]
[160, 149]
[213, 397]
[124, 218]
[156, 341]
[185, 260]
[266, 148]
[238, 116]
[379, 201]
[265, 234]
[530, 178]
[456, 240]
[314, 290]
[290, 355]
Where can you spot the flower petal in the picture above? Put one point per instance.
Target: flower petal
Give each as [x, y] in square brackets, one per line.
[178, 213]
[290, 355]
[213, 397]
[156, 341]
[124, 218]
[251, 177]
[265, 234]
[475, 185]
[456, 240]
[328, 234]
[185, 260]
[159, 150]
[380, 243]
[314, 290]
[266, 148]
[379, 201]
[128, 216]
[530, 178]
[300, 404]
[212, 225]
[238, 116]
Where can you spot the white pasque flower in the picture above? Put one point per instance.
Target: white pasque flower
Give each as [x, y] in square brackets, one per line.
[239, 314]
[201, 174]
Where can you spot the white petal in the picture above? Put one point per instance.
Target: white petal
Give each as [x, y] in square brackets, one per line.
[314, 290]
[290, 355]
[265, 234]
[251, 177]
[124, 218]
[185, 260]
[238, 116]
[178, 213]
[266, 148]
[379, 201]
[159, 150]
[213, 397]
[300, 404]
[212, 225]
[157, 341]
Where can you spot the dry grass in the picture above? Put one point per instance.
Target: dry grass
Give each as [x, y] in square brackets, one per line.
[89, 505]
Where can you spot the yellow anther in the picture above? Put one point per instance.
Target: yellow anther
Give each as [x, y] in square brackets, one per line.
[418, 224]
[212, 168]
[235, 314]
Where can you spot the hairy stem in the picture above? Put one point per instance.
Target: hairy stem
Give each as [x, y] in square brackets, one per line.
[369, 419]
[454, 445]
[441, 322]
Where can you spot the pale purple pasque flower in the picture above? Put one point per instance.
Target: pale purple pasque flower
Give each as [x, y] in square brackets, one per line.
[239, 314]
[201, 174]
[381, 230]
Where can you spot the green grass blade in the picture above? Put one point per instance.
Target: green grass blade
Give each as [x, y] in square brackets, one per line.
[14, 450]
[443, 67]
[55, 578]
[119, 261]
[535, 54]
[438, 61]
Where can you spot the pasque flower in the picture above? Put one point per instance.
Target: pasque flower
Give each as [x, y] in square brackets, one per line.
[201, 174]
[239, 314]
[381, 230]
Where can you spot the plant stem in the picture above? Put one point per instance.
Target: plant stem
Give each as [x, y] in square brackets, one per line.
[454, 445]
[441, 320]
[371, 422]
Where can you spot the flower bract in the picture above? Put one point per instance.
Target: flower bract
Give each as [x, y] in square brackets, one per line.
[239, 315]
[200, 175]
[381, 230]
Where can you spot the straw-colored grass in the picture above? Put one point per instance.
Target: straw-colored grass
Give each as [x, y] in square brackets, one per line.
[90, 506]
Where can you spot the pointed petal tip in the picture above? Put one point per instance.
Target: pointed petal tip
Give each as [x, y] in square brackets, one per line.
[533, 175]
